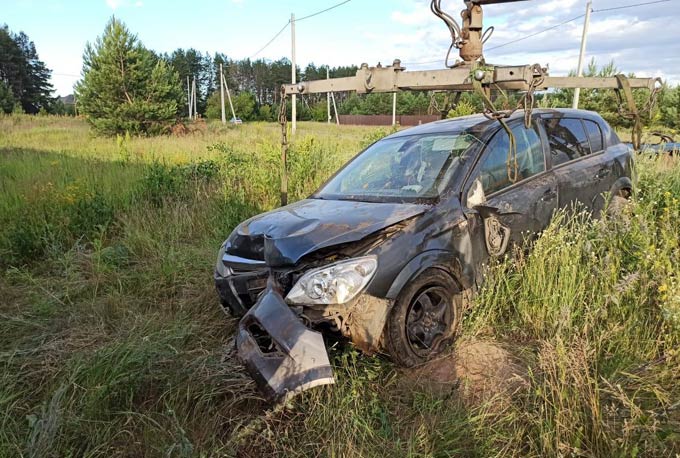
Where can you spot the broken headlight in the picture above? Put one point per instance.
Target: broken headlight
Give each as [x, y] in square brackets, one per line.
[336, 283]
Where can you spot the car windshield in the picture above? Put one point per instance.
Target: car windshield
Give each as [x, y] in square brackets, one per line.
[401, 168]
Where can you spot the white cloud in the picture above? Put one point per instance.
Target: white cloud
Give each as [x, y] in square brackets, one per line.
[115, 4]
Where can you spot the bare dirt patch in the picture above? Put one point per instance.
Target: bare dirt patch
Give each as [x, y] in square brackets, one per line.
[476, 370]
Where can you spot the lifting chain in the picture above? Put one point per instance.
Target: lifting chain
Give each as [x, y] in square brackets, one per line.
[434, 105]
[628, 108]
[526, 103]
[284, 148]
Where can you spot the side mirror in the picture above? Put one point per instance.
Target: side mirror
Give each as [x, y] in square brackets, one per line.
[475, 195]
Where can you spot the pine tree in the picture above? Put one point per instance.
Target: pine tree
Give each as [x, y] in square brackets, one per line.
[24, 77]
[126, 87]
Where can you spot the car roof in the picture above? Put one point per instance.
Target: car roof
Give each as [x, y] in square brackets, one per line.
[480, 123]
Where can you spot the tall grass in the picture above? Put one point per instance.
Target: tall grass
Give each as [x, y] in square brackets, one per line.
[112, 342]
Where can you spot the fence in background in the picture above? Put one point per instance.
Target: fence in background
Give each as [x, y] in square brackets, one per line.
[386, 120]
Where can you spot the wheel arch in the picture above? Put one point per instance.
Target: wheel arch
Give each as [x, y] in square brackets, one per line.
[443, 260]
[622, 187]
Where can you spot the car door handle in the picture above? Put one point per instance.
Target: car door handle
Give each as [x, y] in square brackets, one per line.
[549, 195]
[603, 172]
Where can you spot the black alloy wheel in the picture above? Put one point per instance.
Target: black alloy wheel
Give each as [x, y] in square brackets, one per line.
[424, 318]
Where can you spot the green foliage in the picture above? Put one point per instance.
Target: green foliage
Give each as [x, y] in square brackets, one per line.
[213, 107]
[463, 108]
[6, 98]
[244, 106]
[24, 77]
[670, 107]
[162, 182]
[267, 113]
[125, 87]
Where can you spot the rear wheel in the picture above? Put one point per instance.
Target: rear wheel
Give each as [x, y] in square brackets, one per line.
[619, 204]
[424, 318]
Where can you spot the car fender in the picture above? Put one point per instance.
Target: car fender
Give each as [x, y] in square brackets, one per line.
[445, 260]
[620, 184]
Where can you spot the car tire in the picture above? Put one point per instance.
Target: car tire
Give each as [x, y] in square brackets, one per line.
[419, 325]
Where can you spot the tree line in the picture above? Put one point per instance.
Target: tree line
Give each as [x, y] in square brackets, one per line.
[24, 78]
[128, 88]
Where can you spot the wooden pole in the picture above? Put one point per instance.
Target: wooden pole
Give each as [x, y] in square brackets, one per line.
[328, 98]
[195, 101]
[584, 38]
[224, 116]
[293, 76]
[394, 109]
[189, 104]
[335, 109]
[231, 105]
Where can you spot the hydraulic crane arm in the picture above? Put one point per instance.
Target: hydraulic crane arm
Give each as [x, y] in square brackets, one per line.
[460, 78]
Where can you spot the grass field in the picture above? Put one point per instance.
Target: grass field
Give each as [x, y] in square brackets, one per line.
[112, 342]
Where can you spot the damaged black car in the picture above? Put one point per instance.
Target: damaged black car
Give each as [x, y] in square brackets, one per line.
[388, 252]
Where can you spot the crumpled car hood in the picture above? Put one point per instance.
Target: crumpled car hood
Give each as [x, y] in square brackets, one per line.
[285, 235]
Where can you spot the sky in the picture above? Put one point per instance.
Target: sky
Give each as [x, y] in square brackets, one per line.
[640, 39]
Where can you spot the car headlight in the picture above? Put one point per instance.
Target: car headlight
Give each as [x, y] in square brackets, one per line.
[336, 283]
[220, 268]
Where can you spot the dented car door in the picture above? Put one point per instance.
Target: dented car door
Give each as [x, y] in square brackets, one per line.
[518, 202]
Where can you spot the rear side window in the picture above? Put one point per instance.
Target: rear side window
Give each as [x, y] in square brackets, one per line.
[567, 139]
[595, 135]
[530, 161]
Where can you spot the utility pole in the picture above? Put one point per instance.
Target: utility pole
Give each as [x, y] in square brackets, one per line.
[293, 75]
[224, 117]
[189, 103]
[335, 109]
[231, 105]
[394, 109]
[195, 101]
[584, 39]
[328, 98]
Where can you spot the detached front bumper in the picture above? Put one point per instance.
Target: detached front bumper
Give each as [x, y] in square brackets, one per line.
[282, 355]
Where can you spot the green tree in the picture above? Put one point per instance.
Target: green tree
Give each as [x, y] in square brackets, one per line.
[244, 105]
[126, 87]
[7, 100]
[22, 71]
[213, 108]
[669, 107]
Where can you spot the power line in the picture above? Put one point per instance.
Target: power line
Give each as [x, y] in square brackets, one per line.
[322, 11]
[272, 40]
[297, 20]
[574, 19]
[630, 6]
[537, 33]
[422, 63]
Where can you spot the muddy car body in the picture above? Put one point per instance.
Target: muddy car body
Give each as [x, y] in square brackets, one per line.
[391, 268]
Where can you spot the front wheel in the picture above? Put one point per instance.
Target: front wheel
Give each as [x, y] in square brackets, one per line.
[424, 318]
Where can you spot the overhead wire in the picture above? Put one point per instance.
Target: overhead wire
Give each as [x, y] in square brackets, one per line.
[272, 40]
[297, 20]
[630, 6]
[322, 11]
[536, 33]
